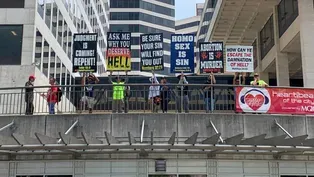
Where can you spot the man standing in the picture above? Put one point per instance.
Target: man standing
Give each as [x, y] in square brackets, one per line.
[258, 82]
[52, 95]
[154, 93]
[118, 92]
[29, 95]
[209, 92]
[182, 97]
[89, 91]
[164, 95]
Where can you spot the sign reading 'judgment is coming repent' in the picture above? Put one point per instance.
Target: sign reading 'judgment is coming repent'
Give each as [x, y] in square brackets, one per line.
[84, 57]
[118, 51]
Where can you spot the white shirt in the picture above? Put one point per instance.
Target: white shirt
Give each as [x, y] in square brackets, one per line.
[154, 90]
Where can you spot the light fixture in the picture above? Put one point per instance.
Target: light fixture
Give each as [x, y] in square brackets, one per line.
[14, 33]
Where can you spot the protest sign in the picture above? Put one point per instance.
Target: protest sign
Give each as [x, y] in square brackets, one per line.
[239, 59]
[84, 57]
[118, 51]
[152, 52]
[182, 53]
[211, 57]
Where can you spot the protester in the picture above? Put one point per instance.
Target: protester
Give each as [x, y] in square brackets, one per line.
[239, 79]
[164, 95]
[258, 82]
[118, 92]
[52, 95]
[154, 93]
[88, 97]
[126, 98]
[182, 97]
[209, 93]
[29, 95]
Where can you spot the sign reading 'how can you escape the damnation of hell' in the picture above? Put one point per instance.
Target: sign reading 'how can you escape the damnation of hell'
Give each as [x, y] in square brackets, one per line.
[152, 52]
[211, 57]
[275, 100]
[182, 53]
[84, 52]
[118, 51]
[239, 59]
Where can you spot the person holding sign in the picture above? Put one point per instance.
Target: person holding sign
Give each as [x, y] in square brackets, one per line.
[209, 92]
[164, 95]
[182, 97]
[239, 79]
[88, 98]
[154, 93]
[258, 82]
[118, 92]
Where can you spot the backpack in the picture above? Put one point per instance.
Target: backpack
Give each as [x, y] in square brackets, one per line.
[60, 93]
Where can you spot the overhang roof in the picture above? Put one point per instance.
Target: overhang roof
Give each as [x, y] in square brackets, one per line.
[19, 144]
[39, 144]
[237, 22]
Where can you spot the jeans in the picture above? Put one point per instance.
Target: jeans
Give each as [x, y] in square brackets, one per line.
[185, 100]
[117, 106]
[29, 108]
[164, 105]
[51, 107]
[209, 104]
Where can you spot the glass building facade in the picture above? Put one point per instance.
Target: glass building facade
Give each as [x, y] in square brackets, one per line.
[140, 17]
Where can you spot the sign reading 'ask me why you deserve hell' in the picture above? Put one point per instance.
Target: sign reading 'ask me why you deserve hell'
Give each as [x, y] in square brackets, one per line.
[118, 51]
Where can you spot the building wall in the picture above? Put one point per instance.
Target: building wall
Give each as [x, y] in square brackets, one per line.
[143, 16]
[143, 168]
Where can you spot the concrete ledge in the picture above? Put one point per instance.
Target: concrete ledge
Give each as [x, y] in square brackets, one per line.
[162, 125]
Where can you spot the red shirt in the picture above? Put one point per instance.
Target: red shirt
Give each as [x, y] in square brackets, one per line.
[52, 95]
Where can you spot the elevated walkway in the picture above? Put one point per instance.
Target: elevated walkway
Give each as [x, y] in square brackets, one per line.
[145, 135]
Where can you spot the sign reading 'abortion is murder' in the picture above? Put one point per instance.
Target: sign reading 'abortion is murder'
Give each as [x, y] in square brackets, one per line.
[84, 52]
[118, 51]
[211, 57]
[182, 53]
[152, 52]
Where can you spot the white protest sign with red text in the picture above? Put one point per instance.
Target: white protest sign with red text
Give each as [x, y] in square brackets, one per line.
[239, 59]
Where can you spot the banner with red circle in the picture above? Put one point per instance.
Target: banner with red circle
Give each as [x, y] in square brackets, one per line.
[275, 100]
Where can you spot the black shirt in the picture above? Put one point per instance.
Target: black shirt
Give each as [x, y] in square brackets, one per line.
[29, 91]
[185, 90]
[207, 91]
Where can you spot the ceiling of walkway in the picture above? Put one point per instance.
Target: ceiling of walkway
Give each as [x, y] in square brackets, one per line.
[239, 21]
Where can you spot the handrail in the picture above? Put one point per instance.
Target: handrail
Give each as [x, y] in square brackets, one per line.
[149, 84]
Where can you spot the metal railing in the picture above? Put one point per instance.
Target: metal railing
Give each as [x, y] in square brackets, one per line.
[16, 101]
[75, 99]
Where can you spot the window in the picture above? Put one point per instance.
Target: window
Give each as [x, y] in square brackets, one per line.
[12, 4]
[267, 37]
[11, 49]
[287, 13]
[139, 29]
[255, 54]
[124, 3]
[187, 25]
[171, 2]
[158, 9]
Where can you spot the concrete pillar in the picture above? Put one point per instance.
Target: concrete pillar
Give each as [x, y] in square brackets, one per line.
[282, 59]
[263, 75]
[306, 17]
[29, 33]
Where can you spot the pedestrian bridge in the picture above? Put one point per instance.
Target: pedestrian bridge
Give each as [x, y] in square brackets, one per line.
[143, 135]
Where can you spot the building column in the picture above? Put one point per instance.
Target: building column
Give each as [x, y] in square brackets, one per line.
[306, 17]
[263, 75]
[29, 34]
[282, 59]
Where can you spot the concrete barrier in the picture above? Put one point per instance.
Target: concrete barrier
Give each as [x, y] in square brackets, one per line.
[162, 125]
